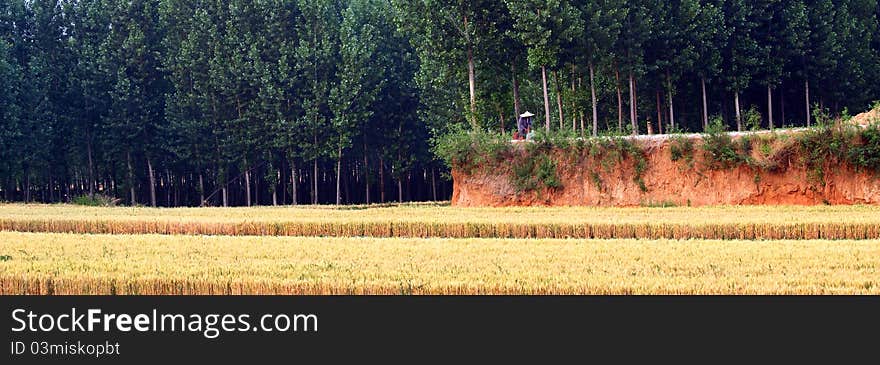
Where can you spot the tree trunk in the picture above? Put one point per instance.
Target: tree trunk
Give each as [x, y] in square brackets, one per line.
[573, 104]
[170, 182]
[659, 114]
[27, 185]
[516, 103]
[781, 104]
[201, 190]
[293, 182]
[247, 183]
[501, 118]
[636, 101]
[366, 174]
[281, 182]
[152, 183]
[434, 183]
[177, 192]
[274, 187]
[770, 107]
[338, 175]
[736, 107]
[807, 97]
[315, 182]
[256, 186]
[399, 179]
[583, 126]
[705, 104]
[546, 98]
[632, 105]
[381, 180]
[472, 84]
[593, 98]
[671, 111]
[91, 169]
[669, 95]
[347, 195]
[559, 100]
[619, 100]
[133, 199]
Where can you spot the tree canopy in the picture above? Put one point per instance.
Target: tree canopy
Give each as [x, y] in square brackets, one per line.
[208, 102]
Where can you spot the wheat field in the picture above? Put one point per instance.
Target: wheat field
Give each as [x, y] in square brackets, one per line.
[51, 263]
[439, 249]
[443, 221]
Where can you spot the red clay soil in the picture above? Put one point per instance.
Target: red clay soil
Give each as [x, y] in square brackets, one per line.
[671, 182]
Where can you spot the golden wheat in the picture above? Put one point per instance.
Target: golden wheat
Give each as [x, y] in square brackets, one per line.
[49, 263]
[427, 220]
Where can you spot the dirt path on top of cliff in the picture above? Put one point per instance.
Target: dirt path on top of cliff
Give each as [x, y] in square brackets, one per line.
[656, 139]
[862, 120]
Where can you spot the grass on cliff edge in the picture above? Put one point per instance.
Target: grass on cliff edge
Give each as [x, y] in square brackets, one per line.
[156, 264]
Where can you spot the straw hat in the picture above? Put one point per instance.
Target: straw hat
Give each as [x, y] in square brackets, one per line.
[526, 115]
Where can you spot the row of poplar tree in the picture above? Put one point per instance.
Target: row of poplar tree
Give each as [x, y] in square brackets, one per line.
[249, 102]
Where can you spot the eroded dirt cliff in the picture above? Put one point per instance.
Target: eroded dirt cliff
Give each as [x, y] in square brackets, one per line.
[586, 181]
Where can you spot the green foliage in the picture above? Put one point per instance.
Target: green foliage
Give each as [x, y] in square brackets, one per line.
[534, 173]
[821, 116]
[826, 146]
[681, 148]
[467, 149]
[640, 161]
[821, 145]
[845, 116]
[752, 119]
[765, 148]
[719, 148]
[97, 200]
[534, 167]
[597, 180]
[199, 90]
[865, 154]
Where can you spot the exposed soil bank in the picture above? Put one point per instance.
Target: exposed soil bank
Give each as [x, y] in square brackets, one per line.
[586, 182]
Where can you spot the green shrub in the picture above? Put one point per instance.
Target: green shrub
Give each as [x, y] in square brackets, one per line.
[628, 148]
[745, 147]
[96, 200]
[866, 153]
[681, 148]
[752, 119]
[535, 172]
[821, 116]
[466, 149]
[720, 150]
[766, 148]
[845, 116]
[821, 145]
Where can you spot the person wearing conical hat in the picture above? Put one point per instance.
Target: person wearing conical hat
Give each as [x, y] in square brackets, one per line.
[524, 122]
